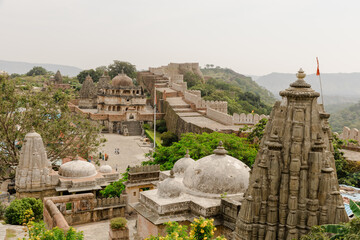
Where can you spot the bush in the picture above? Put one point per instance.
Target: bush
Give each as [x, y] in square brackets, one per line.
[146, 126]
[39, 231]
[118, 223]
[15, 213]
[115, 189]
[161, 126]
[200, 229]
[168, 138]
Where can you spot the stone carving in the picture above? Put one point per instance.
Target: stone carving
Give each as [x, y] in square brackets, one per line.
[34, 172]
[88, 89]
[293, 178]
[58, 78]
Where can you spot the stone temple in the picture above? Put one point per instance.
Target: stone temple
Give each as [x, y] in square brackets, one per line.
[35, 177]
[212, 187]
[293, 184]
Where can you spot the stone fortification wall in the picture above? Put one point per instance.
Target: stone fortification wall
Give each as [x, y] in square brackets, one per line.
[218, 116]
[63, 211]
[176, 70]
[194, 96]
[178, 125]
[348, 133]
[181, 87]
[248, 119]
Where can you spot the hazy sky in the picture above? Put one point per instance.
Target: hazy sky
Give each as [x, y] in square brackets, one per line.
[251, 37]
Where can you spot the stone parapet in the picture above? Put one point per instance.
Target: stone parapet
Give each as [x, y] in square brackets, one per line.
[348, 134]
[221, 117]
[248, 119]
[63, 211]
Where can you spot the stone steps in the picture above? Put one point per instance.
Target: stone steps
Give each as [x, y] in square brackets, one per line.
[183, 110]
[134, 128]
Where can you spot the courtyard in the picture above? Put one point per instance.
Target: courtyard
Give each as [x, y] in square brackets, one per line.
[131, 150]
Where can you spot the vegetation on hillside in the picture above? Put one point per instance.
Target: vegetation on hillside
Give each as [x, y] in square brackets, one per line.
[242, 94]
[201, 145]
[346, 117]
[20, 208]
[245, 83]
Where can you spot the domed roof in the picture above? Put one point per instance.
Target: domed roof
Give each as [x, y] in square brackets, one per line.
[183, 163]
[121, 80]
[217, 174]
[169, 188]
[105, 169]
[77, 168]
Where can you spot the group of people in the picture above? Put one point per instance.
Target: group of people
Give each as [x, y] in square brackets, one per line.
[117, 151]
[103, 157]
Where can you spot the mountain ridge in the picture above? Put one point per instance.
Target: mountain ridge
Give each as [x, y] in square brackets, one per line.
[23, 67]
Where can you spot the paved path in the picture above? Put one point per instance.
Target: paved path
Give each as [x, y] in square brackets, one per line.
[16, 231]
[131, 148]
[351, 155]
[100, 230]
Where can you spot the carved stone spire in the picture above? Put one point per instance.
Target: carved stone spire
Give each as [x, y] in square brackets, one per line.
[33, 171]
[293, 185]
[88, 89]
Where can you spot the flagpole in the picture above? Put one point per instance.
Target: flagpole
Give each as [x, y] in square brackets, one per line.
[322, 98]
[154, 117]
[318, 73]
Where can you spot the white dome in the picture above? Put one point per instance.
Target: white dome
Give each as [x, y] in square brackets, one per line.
[217, 174]
[77, 168]
[183, 163]
[169, 188]
[105, 169]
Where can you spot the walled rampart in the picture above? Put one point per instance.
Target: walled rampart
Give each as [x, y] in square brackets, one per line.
[348, 133]
[218, 116]
[247, 119]
[62, 211]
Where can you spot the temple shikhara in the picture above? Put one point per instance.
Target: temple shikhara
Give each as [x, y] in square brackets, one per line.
[293, 185]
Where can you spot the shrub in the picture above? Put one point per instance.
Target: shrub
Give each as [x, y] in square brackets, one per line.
[118, 223]
[161, 126]
[146, 126]
[168, 138]
[39, 231]
[200, 229]
[15, 213]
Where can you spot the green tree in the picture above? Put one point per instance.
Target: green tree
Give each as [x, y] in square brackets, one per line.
[39, 231]
[168, 138]
[37, 70]
[64, 134]
[192, 79]
[201, 145]
[94, 74]
[119, 66]
[116, 188]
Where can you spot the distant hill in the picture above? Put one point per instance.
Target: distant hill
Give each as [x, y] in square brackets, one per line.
[244, 82]
[24, 67]
[337, 87]
[346, 117]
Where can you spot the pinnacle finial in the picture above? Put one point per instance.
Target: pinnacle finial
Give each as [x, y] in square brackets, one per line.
[220, 150]
[172, 173]
[32, 129]
[122, 71]
[187, 153]
[300, 82]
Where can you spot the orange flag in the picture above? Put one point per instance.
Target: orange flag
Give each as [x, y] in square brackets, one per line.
[317, 71]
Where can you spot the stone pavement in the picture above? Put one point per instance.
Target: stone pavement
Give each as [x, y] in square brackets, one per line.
[351, 155]
[15, 230]
[132, 151]
[100, 230]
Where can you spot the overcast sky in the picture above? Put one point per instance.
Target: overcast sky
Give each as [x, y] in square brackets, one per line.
[250, 36]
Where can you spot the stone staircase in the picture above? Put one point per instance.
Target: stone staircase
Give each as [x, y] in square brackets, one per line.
[133, 128]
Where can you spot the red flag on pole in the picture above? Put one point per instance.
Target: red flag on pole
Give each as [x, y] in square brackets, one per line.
[317, 71]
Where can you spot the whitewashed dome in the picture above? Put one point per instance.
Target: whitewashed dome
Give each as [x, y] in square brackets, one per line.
[217, 174]
[105, 169]
[169, 188]
[77, 168]
[121, 80]
[183, 163]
